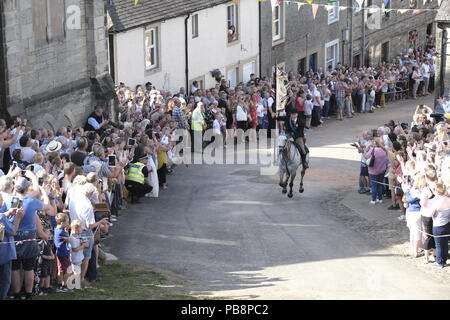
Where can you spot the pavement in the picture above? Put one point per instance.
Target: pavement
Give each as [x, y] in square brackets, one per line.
[229, 232]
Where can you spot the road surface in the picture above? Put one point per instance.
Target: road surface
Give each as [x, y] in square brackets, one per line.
[231, 232]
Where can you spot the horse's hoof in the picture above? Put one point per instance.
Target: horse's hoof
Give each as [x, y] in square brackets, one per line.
[301, 190]
[284, 191]
[290, 195]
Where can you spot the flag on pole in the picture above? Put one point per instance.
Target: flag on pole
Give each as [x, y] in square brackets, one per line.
[314, 8]
[281, 90]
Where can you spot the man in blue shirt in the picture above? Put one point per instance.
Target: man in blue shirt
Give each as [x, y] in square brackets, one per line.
[10, 222]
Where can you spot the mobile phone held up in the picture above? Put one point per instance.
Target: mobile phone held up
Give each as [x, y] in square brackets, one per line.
[16, 203]
[112, 160]
[131, 142]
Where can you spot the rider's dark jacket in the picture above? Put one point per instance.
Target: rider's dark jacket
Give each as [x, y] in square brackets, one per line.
[296, 130]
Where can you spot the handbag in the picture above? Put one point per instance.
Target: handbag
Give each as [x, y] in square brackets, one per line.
[371, 161]
[398, 190]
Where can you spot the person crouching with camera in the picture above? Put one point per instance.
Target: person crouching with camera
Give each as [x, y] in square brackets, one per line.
[136, 181]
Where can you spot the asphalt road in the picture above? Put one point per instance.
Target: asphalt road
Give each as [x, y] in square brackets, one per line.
[231, 232]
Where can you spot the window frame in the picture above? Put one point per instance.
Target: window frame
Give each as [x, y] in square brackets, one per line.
[277, 7]
[195, 26]
[334, 13]
[233, 21]
[336, 53]
[155, 46]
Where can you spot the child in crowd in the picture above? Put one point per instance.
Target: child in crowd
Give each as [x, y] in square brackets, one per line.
[46, 263]
[76, 245]
[62, 251]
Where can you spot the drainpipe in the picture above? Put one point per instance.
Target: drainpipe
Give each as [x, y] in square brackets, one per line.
[186, 52]
[259, 35]
[443, 55]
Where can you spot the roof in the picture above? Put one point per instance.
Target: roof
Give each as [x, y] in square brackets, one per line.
[443, 14]
[126, 15]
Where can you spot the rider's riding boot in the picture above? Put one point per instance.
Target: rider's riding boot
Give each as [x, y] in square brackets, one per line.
[305, 161]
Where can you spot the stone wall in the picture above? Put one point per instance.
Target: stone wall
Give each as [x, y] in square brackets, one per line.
[49, 63]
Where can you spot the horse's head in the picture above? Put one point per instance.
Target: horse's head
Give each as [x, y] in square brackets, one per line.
[282, 140]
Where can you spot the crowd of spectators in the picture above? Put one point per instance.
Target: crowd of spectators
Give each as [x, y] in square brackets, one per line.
[410, 165]
[62, 190]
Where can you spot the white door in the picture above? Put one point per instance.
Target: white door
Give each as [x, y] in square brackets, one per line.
[248, 69]
[232, 77]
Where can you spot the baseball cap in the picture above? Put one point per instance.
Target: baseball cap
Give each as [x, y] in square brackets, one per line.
[21, 184]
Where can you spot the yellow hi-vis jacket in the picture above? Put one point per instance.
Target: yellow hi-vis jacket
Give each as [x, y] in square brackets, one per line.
[135, 173]
[197, 125]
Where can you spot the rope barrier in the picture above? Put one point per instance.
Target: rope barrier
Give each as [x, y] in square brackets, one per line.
[29, 240]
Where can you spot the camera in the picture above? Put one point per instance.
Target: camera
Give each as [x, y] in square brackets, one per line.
[16, 203]
[112, 160]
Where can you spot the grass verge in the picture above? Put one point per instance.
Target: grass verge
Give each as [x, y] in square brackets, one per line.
[121, 281]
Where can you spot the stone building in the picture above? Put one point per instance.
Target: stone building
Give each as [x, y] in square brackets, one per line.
[53, 60]
[291, 37]
[443, 49]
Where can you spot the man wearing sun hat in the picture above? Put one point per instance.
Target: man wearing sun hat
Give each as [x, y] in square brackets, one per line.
[136, 179]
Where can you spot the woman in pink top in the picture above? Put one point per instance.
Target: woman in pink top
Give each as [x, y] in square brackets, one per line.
[378, 170]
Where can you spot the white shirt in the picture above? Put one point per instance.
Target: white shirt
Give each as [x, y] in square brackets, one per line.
[15, 145]
[216, 127]
[28, 154]
[80, 208]
[260, 110]
[241, 114]
[425, 70]
[315, 93]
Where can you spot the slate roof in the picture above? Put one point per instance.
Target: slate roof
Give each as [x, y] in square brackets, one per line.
[125, 15]
[444, 12]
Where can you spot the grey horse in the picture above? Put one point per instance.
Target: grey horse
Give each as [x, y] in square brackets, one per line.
[289, 160]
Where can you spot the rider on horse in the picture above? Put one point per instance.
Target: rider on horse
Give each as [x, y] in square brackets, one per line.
[295, 126]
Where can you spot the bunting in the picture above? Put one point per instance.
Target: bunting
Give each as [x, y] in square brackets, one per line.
[358, 8]
[136, 2]
[273, 3]
[314, 8]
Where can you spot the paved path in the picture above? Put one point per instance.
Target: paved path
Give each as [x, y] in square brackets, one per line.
[231, 233]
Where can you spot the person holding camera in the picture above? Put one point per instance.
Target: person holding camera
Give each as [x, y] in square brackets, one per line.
[29, 228]
[9, 223]
[96, 121]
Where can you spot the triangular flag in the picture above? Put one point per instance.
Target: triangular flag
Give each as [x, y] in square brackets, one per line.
[136, 2]
[385, 2]
[342, 8]
[330, 1]
[328, 8]
[314, 7]
[299, 5]
[360, 2]
[262, 0]
[402, 11]
[273, 3]
[373, 10]
[439, 2]
[309, 1]
[424, 2]
[417, 11]
[235, 1]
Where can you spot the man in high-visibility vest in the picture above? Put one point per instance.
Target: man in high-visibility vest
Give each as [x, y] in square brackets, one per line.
[198, 124]
[136, 178]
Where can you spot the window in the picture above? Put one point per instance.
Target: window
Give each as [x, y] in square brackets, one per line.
[247, 70]
[313, 62]
[195, 26]
[151, 48]
[301, 66]
[331, 54]
[333, 13]
[277, 24]
[232, 22]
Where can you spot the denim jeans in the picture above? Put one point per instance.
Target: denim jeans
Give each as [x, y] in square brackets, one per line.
[441, 243]
[376, 188]
[5, 279]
